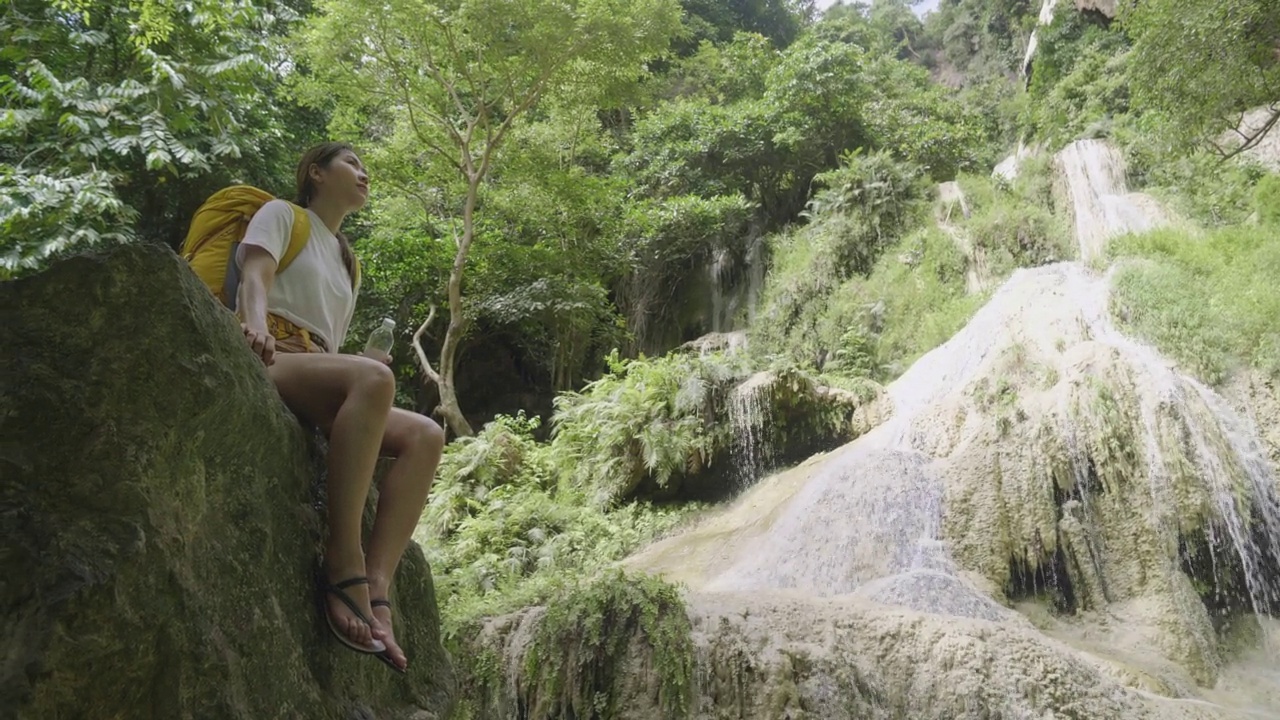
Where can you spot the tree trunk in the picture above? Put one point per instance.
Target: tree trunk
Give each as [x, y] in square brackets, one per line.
[449, 407]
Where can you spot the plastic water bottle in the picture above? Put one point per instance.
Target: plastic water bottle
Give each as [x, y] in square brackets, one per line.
[380, 341]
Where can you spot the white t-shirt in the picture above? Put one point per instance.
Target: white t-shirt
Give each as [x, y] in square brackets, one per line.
[315, 291]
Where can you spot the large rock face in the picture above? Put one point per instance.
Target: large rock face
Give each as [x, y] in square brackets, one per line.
[1054, 522]
[161, 517]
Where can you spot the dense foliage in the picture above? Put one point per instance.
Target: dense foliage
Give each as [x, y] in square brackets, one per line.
[579, 188]
[119, 115]
[1208, 302]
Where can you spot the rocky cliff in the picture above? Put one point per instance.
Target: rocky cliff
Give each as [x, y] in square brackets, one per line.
[1052, 520]
[162, 517]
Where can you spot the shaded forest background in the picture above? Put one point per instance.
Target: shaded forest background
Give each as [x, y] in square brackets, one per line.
[634, 196]
[573, 190]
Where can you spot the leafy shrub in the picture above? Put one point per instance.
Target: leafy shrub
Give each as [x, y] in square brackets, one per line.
[864, 207]
[877, 190]
[1014, 223]
[1078, 80]
[1197, 185]
[655, 419]
[579, 651]
[1266, 200]
[1208, 302]
[920, 300]
[499, 528]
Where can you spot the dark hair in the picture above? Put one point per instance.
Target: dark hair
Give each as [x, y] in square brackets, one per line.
[322, 155]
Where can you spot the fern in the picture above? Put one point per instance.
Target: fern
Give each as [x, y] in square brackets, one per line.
[185, 84]
[651, 419]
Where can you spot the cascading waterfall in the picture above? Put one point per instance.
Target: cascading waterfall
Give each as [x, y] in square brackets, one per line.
[747, 418]
[872, 509]
[735, 283]
[1054, 521]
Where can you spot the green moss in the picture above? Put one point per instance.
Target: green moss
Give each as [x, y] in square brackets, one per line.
[593, 646]
[1209, 302]
[577, 655]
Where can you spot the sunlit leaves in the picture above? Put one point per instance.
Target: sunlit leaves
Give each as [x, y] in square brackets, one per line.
[41, 215]
[451, 75]
[1199, 63]
[648, 419]
[98, 92]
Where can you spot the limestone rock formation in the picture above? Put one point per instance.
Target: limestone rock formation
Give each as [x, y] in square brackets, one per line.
[1092, 176]
[1054, 522]
[1260, 127]
[725, 342]
[1008, 168]
[161, 517]
[1106, 7]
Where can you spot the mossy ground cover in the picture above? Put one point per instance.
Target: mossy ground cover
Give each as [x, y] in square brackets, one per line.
[1208, 300]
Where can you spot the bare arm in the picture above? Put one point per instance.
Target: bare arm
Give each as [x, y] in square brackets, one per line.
[257, 274]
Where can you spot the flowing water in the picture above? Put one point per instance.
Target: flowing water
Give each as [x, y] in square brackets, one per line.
[874, 509]
[1042, 473]
[747, 418]
[735, 284]
[1102, 206]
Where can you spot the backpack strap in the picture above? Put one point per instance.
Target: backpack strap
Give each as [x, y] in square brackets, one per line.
[298, 239]
[298, 236]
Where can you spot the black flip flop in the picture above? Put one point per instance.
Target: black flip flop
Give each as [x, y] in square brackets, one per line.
[376, 646]
[385, 655]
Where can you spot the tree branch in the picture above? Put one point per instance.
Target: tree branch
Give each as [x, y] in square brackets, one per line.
[1250, 141]
[431, 66]
[402, 80]
[495, 137]
[423, 362]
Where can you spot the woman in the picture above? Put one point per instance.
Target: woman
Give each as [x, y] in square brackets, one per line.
[296, 321]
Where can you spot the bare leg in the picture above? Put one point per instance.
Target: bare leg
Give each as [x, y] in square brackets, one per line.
[349, 398]
[417, 443]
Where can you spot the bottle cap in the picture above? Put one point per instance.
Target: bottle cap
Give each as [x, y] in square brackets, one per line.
[388, 323]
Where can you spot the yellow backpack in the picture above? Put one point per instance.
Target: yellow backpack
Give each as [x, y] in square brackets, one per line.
[217, 228]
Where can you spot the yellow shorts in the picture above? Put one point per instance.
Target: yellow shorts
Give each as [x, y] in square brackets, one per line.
[293, 339]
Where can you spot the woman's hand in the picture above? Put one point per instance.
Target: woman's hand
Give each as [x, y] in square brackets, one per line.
[257, 274]
[385, 359]
[262, 343]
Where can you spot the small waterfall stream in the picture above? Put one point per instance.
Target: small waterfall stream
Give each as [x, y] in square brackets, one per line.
[1040, 456]
[747, 418]
[1102, 206]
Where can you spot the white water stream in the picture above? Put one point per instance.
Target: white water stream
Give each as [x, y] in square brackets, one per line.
[924, 511]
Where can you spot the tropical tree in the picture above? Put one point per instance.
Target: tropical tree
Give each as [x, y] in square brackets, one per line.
[436, 87]
[1201, 64]
[108, 104]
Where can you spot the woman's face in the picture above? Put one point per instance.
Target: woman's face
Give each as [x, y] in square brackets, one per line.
[343, 181]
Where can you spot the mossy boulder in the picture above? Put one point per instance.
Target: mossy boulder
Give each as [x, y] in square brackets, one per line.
[767, 420]
[162, 517]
